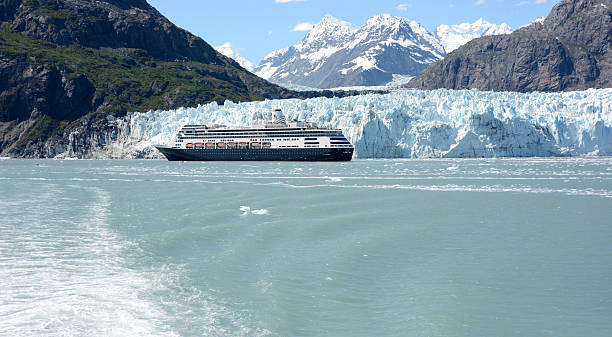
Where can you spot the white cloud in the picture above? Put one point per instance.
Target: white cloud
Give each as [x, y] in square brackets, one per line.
[303, 27]
[527, 2]
[403, 7]
[286, 1]
[229, 50]
[479, 2]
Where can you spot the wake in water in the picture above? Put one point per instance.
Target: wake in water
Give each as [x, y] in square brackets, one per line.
[64, 272]
[64, 275]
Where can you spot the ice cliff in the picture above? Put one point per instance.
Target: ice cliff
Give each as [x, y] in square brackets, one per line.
[411, 123]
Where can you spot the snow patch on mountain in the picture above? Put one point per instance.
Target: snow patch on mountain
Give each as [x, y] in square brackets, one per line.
[410, 123]
[230, 51]
[453, 37]
[539, 20]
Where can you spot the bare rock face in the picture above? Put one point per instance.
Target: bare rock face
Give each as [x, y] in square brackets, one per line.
[43, 90]
[570, 50]
[112, 24]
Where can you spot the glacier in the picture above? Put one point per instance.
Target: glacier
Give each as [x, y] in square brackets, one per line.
[408, 123]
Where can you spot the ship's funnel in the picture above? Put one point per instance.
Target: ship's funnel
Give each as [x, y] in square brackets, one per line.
[279, 117]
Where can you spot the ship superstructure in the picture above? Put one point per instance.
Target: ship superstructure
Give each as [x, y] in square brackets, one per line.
[272, 140]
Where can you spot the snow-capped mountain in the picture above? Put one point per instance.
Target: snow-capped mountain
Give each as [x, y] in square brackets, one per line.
[336, 53]
[453, 37]
[230, 51]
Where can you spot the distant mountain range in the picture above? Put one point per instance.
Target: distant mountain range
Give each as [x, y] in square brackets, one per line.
[336, 53]
[455, 36]
[569, 50]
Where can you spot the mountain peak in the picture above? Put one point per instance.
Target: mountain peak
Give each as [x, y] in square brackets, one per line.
[328, 18]
[329, 22]
[387, 20]
[326, 30]
[383, 18]
[452, 37]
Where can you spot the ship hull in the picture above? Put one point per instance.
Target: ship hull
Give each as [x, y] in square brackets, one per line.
[294, 154]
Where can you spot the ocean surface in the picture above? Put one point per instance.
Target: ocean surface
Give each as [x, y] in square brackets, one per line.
[504, 247]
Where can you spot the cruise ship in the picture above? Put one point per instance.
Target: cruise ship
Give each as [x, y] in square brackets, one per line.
[275, 140]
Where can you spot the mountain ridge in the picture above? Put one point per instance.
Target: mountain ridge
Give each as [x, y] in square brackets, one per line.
[334, 49]
[336, 53]
[569, 50]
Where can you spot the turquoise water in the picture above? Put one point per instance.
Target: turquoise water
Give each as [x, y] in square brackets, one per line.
[507, 247]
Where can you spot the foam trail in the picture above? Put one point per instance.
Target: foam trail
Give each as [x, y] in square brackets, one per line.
[75, 284]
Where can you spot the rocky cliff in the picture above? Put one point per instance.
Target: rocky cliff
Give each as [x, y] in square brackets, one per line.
[570, 50]
[69, 63]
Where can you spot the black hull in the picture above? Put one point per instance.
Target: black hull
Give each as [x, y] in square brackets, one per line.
[257, 154]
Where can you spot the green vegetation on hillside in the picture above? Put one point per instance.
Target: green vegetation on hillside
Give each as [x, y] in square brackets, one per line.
[136, 82]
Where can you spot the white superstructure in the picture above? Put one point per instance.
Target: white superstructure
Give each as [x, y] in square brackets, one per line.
[274, 134]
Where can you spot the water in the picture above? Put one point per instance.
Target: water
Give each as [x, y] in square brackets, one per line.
[507, 247]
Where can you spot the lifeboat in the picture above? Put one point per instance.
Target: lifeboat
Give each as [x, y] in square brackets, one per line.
[255, 145]
[231, 145]
[199, 145]
[210, 145]
[243, 145]
[221, 145]
[266, 145]
[189, 146]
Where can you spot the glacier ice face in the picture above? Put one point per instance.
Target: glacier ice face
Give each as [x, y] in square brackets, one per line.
[411, 123]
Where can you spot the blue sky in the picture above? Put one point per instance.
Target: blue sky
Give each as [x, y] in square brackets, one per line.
[257, 27]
